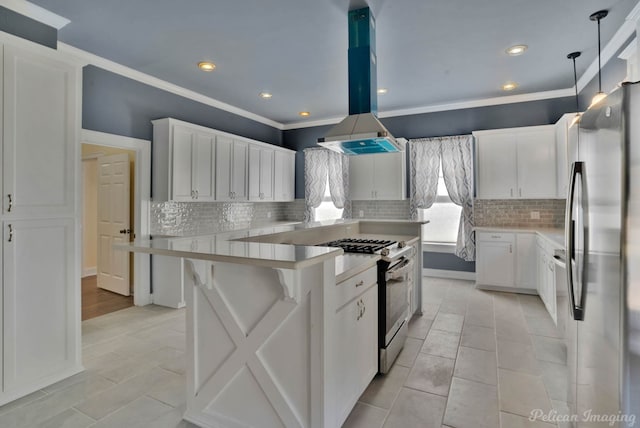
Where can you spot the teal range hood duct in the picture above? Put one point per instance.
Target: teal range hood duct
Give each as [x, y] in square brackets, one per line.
[361, 132]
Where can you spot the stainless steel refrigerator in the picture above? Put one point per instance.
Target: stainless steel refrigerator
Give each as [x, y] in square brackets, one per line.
[603, 264]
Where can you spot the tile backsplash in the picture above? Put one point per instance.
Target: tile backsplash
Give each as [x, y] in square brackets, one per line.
[380, 209]
[518, 212]
[192, 218]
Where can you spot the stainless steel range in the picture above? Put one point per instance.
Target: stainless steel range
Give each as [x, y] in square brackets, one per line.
[395, 277]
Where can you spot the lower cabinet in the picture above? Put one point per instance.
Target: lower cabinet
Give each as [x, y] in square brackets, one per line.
[168, 282]
[356, 346]
[40, 306]
[495, 259]
[546, 281]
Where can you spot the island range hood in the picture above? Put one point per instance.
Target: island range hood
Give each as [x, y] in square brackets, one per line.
[361, 132]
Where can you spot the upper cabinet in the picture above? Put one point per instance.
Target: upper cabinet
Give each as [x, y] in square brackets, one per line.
[231, 169]
[284, 175]
[567, 150]
[40, 126]
[377, 177]
[261, 179]
[516, 163]
[197, 164]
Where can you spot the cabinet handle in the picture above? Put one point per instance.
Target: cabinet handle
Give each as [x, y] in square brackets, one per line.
[360, 283]
[193, 194]
[10, 203]
[520, 192]
[359, 311]
[364, 309]
[197, 194]
[10, 233]
[510, 248]
[495, 236]
[511, 191]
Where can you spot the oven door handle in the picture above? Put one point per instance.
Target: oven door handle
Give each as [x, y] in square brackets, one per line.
[400, 270]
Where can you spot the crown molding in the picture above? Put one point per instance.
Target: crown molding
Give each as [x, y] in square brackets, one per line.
[630, 50]
[35, 12]
[86, 58]
[484, 102]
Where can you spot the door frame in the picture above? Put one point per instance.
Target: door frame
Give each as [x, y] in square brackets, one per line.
[142, 202]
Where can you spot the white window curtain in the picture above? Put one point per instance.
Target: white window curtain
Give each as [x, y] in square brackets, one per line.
[424, 164]
[339, 182]
[318, 163]
[457, 168]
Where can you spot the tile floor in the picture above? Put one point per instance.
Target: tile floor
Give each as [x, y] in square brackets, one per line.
[474, 359]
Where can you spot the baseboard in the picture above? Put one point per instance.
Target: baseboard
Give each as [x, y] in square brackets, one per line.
[89, 271]
[452, 274]
[507, 289]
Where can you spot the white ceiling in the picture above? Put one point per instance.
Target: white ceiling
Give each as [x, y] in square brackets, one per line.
[430, 52]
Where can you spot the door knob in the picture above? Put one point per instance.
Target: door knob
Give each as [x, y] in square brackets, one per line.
[125, 231]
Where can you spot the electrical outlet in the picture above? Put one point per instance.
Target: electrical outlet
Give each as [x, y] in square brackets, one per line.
[361, 213]
[535, 215]
[268, 214]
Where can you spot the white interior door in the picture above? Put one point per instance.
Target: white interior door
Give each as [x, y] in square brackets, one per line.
[113, 222]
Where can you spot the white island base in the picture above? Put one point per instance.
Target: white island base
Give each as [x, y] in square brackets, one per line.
[265, 346]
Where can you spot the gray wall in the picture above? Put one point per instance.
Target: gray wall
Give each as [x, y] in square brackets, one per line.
[27, 28]
[446, 261]
[118, 105]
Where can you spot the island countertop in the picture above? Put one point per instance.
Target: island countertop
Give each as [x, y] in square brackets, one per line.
[245, 246]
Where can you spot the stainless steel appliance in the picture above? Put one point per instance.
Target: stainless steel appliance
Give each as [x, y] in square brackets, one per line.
[603, 264]
[395, 279]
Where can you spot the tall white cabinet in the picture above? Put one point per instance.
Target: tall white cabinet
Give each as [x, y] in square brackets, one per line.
[40, 303]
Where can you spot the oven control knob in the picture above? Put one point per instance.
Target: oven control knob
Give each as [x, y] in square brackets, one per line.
[384, 252]
[402, 244]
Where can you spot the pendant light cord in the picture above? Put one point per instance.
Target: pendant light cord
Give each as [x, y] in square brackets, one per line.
[575, 79]
[599, 63]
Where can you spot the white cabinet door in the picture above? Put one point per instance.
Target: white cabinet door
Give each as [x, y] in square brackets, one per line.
[38, 135]
[526, 267]
[495, 259]
[290, 177]
[40, 306]
[261, 178]
[266, 174]
[224, 158]
[389, 176]
[537, 164]
[181, 164]
[239, 185]
[497, 169]
[254, 173]
[203, 163]
[356, 350]
[361, 177]
[280, 175]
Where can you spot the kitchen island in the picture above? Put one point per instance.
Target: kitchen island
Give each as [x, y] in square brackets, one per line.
[280, 332]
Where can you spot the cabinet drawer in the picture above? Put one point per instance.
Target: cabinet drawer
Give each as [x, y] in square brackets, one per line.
[496, 236]
[352, 287]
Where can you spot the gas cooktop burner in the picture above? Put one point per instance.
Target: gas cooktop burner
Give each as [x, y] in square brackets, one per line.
[362, 246]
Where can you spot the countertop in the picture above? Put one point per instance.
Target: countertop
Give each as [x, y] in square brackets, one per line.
[225, 247]
[555, 236]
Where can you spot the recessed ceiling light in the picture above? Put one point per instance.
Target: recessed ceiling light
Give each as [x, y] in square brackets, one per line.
[304, 113]
[516, 50]
[509, 86]
[265, 95]
[382, 90]
[206, 66]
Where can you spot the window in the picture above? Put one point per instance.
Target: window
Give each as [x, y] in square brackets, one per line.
[326, 210]
[443, 216]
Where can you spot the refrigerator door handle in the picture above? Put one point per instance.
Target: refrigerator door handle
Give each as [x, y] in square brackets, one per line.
[577, 311]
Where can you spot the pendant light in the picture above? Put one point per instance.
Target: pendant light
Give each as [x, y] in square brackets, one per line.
[599, 96]
[572, 56]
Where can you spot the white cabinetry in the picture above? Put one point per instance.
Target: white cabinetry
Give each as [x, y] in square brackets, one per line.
[495, 259]
[261, 179]
[377, 177]
[284, 175]
[516, 163]
[506, 260]
[192, 163]
[356, 342]
[39, 282]
[231, 169]
[546, 281]
[184, 159]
